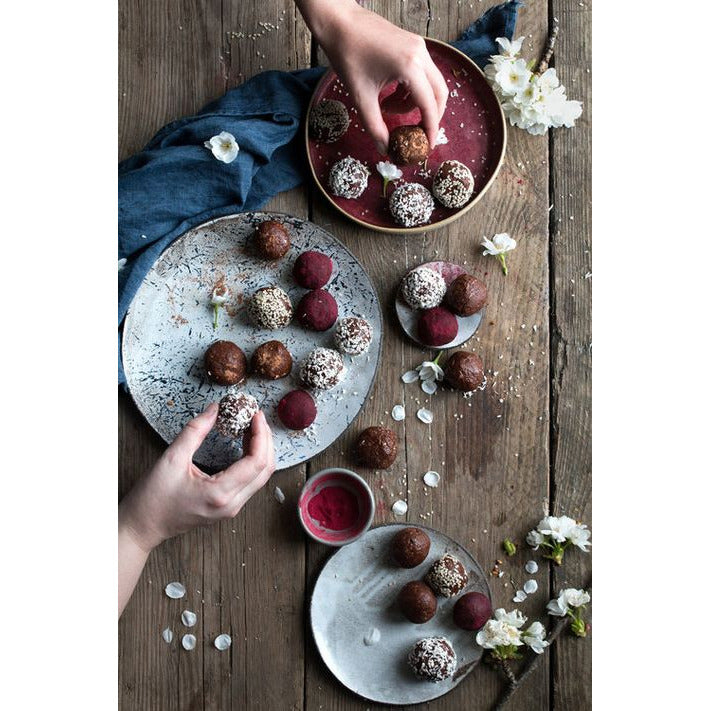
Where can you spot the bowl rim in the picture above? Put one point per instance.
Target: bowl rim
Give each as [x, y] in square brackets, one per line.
[349, 474]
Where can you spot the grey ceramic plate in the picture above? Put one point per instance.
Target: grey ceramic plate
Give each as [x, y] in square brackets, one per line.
[357, 590]
[408, 317]
[169, 327]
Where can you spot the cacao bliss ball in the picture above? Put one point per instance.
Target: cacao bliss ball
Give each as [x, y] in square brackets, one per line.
[297, 410]
[423, 288]
[376, 447]
[225, 363]
[312, 270]
[408, 145]
[317, 310]
[323, 369]
[235, 414]
[432, 659]
[447, 577]
[272, 360]
[329, 120]
[466, 295]
[272, 239]
[353, 335]
[417, 602]
[472, 611]
[348, 178]
[437, 326]
[411, 205]
[409, 547]
[270, 308]
[453, 184]
[464, 371]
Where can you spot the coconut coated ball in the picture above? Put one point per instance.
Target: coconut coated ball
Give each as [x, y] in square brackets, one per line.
[323, 369]
[270, 308]
[437, 326]
[409, 547]
[432, 659]
[297, 410]
[411, 205]
[447, 577]
[472, 611]
[312, 270]
[348, 178]
[408, 145]
[272, 239]
[272, 360]
[466, 295]
[464, 371]
[453, 184]
[235, 414]
[225, 363]
[423, 288]
[417, 602]
[317, 310]
[376, 447]
[353, 335]
[329, 120]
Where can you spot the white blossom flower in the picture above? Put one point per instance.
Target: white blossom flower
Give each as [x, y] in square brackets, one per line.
[548, 80]
[223, 146]
[515, 618]
[580, 536]
[534, 637]
[568, 599]
[499, 246]
[512, 76]
[220, 294]
[510, 48]
[558, 528]
[430, 370]
[389, 172]
[498, 633]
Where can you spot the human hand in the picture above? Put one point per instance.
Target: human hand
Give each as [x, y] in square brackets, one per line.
[176, 496]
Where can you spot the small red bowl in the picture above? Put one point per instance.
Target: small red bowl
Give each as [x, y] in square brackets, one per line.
[353, 483]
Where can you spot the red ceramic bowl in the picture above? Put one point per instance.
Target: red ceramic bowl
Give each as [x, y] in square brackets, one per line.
[473, 123]
[352, 483]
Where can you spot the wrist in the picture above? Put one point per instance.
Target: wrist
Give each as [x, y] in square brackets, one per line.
[130, 523]
[327, 19]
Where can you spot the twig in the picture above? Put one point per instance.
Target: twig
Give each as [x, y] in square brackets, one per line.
[548, 53]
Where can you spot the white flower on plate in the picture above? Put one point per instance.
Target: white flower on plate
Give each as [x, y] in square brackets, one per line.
[223, 146]
[512, 76]
[568, 599]
[220, 294]
[499, 246]
[389, 172]
[509, 48]
[534, 637]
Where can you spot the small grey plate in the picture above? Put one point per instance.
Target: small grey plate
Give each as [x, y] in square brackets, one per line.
[408, 317]
[169, 327]
[357, 591]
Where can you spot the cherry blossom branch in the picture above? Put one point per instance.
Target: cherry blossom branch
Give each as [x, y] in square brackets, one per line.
[548, 52]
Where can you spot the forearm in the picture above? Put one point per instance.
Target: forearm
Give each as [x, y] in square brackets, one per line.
[132, 557]
[324, 17]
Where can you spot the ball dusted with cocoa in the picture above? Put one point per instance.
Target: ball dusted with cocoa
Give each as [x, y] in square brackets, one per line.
[329, 120]
[464, 371]
[417, 602]
[466, 295]
[410, 547]
[272, 239]
[225, 363]
[447, 577]
[376, 447]
[272, 360]
[408, 145]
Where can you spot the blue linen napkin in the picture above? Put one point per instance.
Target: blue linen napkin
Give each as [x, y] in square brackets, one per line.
[175, 183]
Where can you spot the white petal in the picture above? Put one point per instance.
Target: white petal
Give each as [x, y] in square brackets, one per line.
[531, 567]
[398, 413]
[429, 386]
[425, 415]
[399, 508]
[520, 596]
[530, 586]
[175, 590]
[372, 637]
[410, 376]
[167, 635]
[223, 642]
[279, 495]
[431, 478]
[189, 641]
[189, 618]
[121, 263]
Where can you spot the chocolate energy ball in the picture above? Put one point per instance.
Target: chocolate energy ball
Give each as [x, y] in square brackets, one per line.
[411, 205]
[225, 363]
[312, 270]
[271, 308]
[317, 310]
[423, 288]
[329, 120]
[447, 577]
[472, 611]
[348, 178]
[272, 239]
[235, 414]
[437, 326]
[353, 335]
[408, 145]
[432, 659]
[376, 447]
[272, 360]
[417, 602]
[453, 184]
[464, 371]
[323, 369]
[466, 295]
[297, 410]
[410, 547]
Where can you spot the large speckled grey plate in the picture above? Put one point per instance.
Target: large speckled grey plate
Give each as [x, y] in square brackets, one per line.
[357, 591]
[169, 327]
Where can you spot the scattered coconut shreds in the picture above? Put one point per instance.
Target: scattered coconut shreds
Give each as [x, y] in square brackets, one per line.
[425, 415]
[223, 642]
[167, 635]
[399, 508]
[398, 413]
[520, 596]
[189, 641]
[530, 586]
[410, 376]
[372, 637]
[175, 590]
[188, 618]
[531, 567]
[431, 478]
[429, 386]
[279, 495]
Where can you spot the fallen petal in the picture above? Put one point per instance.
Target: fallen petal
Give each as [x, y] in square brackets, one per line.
[429, 386]
[189, 618]
[530, 586]
[425, 415]
[372, 637]
[279, 495]
[531, 567]
[520, 596]
[167, 635]
[410, 376]
[175, 590]
[399, 508]
[223, 642]
[431, 478]
[188, 641]
[398, 413]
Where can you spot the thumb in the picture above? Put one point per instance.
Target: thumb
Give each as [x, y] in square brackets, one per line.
[193, 434]
[372, 118]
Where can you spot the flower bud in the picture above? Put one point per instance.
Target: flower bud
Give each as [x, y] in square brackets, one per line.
[509, 546]
[577, 627]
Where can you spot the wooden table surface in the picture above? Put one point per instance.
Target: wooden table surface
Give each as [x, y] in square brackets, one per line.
[519, 450]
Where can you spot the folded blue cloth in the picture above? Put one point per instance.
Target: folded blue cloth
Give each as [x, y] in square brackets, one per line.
[175, 183]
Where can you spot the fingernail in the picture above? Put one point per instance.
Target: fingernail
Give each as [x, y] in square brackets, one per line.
[382, 148]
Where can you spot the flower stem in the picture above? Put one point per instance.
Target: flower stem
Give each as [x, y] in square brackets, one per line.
[502, 259]
[216, 310]
[385, 186]
[436, 360]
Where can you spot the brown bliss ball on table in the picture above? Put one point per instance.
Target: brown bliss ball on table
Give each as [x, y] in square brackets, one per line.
[447, 576]
[409, 547]
[464, 371]
[270, 308]
[432, 659]
[312, 270]
[353, 335]
[297, 410]
[235, 414]
[453, 184]
[437, 326]
[348, 178]
[466, 295]
[317, 310]
[408, 145]
[272, 360]
[472, 611]
[411, 205]
[225, 363]
[329, 120]
[417, 602]
[323, 369]
[272, 239]
[376, 447]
